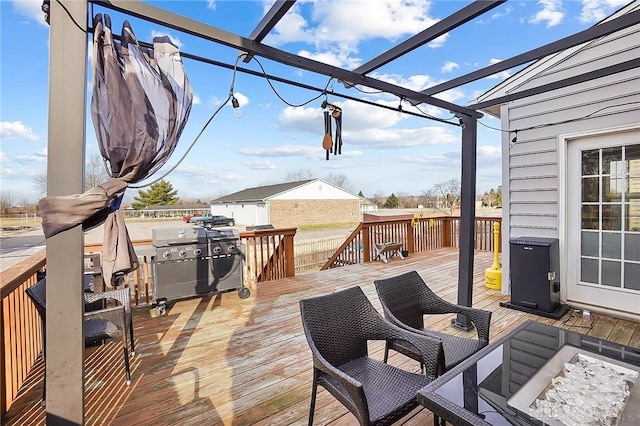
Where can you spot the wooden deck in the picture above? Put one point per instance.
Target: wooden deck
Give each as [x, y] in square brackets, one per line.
[222, 360]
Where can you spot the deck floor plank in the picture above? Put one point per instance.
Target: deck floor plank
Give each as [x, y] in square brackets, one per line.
[220, 360]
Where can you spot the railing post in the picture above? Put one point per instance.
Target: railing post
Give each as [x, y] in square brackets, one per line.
[411, 248]
[289, 252]
[366, 244]
[447, 232]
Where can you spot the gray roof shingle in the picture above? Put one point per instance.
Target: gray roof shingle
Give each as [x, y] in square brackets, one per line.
[259, 193]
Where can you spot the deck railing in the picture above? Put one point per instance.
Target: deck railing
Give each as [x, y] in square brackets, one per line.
[21, 330]
[416, 235]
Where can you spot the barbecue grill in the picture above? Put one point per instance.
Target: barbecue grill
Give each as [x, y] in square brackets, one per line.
[193, 261]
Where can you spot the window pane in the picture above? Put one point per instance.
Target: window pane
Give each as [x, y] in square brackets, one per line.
[632, 152]
[632, 216]
[591, 217]
[612, 188]
[590, 189]
[632, 248]
[611, 245]
[633, 187]
[631, 276]
[611, 273]
[612, 160]
[589, 244]
[590, 162]
[612, 217]
[589, 271]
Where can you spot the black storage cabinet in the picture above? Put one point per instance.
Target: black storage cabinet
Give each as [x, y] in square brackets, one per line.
[535, 273]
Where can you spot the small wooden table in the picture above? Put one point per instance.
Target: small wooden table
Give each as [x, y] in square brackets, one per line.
[384, 251]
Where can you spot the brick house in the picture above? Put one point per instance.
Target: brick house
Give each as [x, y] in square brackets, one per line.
[291, 204]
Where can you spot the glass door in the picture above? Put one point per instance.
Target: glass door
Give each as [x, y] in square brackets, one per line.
[604, 223]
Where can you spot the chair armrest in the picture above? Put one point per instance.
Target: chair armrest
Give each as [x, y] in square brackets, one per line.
[480, 318]
[123, 296]
[429, 348]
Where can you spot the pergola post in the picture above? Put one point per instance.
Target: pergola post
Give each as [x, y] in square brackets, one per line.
[469, 126]
[65, 176]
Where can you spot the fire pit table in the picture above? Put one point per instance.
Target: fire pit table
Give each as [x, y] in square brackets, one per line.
[509, 381]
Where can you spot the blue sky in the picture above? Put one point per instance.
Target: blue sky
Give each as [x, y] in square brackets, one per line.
[383, 151]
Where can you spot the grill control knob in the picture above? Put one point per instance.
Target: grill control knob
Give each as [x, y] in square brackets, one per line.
[182, 253]
[166, 254]
[197, 252]
[217, 249]
[231, 248]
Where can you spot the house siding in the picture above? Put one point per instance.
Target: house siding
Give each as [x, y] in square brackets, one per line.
[531, 168]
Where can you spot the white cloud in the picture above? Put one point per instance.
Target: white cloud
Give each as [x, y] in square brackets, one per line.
[336, 57]
[551, 13]
[261, 165]
[173, 39]
[17, 130]
[211, 4]
[196, 99]
[242, 99]
[488, 151]
[400, 138]
[438, 42]
[448, 67]
[31, 9]
[39, 157]
[596, 10]
[337, 27]
[503, 75]
[3, 157]
[355, 116]
[291, 151]
[506, 11]
[207, 174]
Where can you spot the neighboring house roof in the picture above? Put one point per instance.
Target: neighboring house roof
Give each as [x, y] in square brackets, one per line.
[513, 83]
[264, 193]
[259, 193]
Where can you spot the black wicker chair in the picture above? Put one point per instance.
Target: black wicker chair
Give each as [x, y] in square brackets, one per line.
[99, 324]
[337, 327]
[406, 298]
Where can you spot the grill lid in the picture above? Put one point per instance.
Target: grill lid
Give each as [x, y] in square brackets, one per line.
[222, 234]
[164, 237]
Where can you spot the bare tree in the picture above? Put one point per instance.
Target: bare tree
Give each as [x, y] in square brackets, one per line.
[378, 198]
[7, 199]
[447, 194]
[338, 179]
[40, 183]
[298, 175]
[95, 172]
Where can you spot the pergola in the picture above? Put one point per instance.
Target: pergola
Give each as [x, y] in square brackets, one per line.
[67, 112]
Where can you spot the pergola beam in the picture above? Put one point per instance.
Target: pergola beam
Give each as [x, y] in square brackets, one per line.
[207, 32]
[597, 31]
[447, 24]
[268, 21]
[570, 81]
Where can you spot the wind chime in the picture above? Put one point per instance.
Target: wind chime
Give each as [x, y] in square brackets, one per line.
[328, 143]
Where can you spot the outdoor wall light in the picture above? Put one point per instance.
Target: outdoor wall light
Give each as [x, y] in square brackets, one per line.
[236, 107]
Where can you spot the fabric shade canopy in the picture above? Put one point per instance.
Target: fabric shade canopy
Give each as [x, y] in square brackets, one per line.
[141, 102]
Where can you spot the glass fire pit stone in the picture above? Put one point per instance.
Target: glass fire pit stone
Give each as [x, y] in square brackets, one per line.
[576, 387]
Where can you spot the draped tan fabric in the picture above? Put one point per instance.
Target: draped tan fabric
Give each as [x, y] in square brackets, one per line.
[141, 102]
